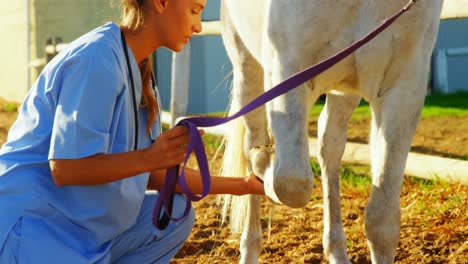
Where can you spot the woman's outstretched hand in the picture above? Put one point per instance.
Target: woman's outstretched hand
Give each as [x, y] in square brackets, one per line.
[254, 184]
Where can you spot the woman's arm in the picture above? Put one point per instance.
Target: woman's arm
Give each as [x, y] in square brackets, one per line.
[219, 185]
[165, 152]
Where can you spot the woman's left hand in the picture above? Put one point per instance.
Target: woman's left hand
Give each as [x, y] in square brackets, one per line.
[254, 184]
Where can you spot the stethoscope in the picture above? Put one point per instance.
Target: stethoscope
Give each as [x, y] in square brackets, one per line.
[132, 83]
[165, 218]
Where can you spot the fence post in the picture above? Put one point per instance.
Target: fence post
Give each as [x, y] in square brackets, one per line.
[180, 79]
[52, 48]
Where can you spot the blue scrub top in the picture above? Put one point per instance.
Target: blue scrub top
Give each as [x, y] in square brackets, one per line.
[81, 105]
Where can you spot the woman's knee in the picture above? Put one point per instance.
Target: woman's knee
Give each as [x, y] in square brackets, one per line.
[191, 219]
[186, 223]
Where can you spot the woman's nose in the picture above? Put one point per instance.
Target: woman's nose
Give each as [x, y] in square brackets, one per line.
[197, 28]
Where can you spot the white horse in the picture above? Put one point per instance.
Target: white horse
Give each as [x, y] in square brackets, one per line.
[270, 40]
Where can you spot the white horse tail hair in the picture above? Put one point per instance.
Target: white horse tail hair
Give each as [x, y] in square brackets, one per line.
[234, 164]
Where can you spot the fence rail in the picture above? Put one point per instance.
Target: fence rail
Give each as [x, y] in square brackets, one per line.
[417, 165]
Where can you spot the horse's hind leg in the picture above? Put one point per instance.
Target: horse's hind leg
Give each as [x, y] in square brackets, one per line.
[247, 85]
[394, 120]
[395, 114]
[332, 137]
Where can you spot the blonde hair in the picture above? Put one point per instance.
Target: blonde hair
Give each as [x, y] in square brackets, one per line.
[133, 15]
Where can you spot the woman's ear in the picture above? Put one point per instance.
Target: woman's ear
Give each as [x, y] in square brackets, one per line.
[160, 5]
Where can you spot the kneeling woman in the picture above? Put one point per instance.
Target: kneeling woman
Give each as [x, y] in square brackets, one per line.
[73, 179]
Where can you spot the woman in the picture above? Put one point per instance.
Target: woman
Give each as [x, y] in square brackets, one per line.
[87, 144]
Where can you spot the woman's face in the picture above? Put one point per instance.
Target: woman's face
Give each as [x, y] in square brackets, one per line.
[183, 18]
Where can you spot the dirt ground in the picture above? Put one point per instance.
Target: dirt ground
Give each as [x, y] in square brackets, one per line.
[434, 226]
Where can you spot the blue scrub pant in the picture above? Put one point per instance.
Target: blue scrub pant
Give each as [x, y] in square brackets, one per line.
[142, 243]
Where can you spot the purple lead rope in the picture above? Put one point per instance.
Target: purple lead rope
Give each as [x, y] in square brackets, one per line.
[163, 207]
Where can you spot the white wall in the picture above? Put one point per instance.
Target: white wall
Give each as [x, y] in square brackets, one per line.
[44, 19]
[455, 9]
[13, 49]
[67, 19]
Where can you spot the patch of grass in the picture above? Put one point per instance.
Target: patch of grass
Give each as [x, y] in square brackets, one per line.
[434, 198]
[455, 100]
[315, 167]
[211, 141]
[8, 106]
[351, 178]
[422, 183]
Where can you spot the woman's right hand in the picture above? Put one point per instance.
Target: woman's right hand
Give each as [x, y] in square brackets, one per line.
[169, 148]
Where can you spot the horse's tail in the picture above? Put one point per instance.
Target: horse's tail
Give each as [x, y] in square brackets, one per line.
[234, 164]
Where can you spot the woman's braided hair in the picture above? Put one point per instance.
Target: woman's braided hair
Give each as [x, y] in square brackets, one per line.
[133, 18]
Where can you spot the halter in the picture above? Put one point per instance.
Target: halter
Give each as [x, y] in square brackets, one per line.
[163, 207]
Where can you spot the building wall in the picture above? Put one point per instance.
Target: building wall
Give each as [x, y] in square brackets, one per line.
[454, 9]
[67, 19]
[33, 22]
[210, 71]
[13, 49]
[451, 56]
[210, 67]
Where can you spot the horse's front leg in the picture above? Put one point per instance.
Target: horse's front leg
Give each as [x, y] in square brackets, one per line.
[289, 180]
[331, 142]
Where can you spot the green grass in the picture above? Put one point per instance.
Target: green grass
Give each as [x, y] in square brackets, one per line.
[8, 107]
[355, 177]
[435, 198]
[446, 105]
[315, 167]
[351, 176]
[436, 105]
[211, 141]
